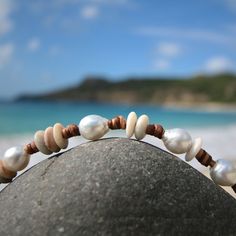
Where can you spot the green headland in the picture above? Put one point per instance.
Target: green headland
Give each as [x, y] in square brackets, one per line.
[202, 90]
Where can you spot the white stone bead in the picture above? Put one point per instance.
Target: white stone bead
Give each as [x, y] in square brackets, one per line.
[93, 127]
[40, 144]
[195, 148]
[177, 140]
[57, 134]
[141, 126]
[223, 173]
[15, 159]
[49, 140]
[130, 124]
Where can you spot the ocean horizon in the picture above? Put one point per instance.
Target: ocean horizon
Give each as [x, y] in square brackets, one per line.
[27, 117]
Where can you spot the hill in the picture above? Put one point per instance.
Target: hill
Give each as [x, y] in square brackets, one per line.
[217, 89]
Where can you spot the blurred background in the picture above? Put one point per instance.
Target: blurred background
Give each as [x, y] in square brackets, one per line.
[173, 60]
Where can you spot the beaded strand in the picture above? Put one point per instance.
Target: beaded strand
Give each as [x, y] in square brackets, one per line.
[93, 127]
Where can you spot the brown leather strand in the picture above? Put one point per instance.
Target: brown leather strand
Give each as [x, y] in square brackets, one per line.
[70, 131]
[205, 158]
[31, 148]
[155, 130]
[118, 122]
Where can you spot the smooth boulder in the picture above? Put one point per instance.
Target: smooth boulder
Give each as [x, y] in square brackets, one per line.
[115, 187]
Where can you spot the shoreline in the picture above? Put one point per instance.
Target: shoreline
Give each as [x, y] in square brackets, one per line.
[204, 106]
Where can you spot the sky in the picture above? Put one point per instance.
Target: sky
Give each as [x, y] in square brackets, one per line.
[46, 45]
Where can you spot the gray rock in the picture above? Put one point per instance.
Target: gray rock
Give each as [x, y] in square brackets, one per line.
[115, 187]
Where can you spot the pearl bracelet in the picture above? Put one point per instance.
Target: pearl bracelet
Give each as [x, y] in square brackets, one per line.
[93, 127]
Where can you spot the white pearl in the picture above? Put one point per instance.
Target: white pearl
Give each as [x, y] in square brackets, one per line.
[141, 126]
[130, 124]
[93, 127]
[224, 173]
[192, 152]
[15, 159]
[177, 140]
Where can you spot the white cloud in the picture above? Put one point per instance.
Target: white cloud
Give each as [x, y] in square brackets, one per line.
[161, 64]
[34, 44]
[89, 12]
[6, 24]
[218, 64]
[6, 52]
[193, 34]
[168, 49]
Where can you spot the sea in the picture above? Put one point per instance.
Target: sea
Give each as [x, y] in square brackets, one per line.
[19, 121]
[27, 117]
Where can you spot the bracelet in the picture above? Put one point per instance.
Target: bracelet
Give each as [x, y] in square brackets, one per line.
[93, 127]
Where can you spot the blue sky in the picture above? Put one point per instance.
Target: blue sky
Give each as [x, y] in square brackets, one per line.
[51, 44]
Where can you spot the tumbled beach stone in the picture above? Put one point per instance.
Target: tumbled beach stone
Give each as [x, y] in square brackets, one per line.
[115, 187]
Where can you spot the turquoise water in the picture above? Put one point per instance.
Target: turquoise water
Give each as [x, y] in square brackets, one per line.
[27, 117]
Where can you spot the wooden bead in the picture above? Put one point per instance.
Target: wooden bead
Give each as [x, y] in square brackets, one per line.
[141, 126]
[122, 122]
[130, 124]
[70, 131]
[205, 158]
[31, 148]
[49, 140]
[5, 173]
[118, 122]
[57, 134]
[155, 130]
[40, 144]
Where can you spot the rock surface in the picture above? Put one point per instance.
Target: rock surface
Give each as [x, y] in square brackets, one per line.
[115, 187]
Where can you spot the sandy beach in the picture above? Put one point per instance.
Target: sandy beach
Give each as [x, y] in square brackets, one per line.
[219, 142]
[206, 106]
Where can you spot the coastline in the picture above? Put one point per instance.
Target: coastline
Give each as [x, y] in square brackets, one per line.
[206, 106]
[211, 91]
[175, 105]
